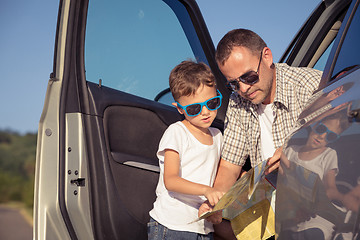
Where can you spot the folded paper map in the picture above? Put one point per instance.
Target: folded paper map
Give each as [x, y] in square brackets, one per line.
[248, 204]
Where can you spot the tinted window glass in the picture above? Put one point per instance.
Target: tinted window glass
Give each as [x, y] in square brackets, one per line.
[320, 64]
[349, 53]
[133, 48]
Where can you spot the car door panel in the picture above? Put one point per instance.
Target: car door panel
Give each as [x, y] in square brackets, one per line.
[114, 132]
[130, 129]
[132, 125]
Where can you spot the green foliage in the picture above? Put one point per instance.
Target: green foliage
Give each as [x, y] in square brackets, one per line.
[17, 167]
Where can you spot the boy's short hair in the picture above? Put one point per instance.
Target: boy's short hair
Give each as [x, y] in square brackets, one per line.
[342, 117]
[188, 76]
[238, 38]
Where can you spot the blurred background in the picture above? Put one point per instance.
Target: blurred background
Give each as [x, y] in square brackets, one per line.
[26, 56]
[27, 33]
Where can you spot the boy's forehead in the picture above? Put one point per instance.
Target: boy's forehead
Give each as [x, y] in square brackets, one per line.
[202, 94]
[332, 124]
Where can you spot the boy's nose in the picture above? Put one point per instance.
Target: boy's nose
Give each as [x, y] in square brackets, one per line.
[323, 135]
[204, 110]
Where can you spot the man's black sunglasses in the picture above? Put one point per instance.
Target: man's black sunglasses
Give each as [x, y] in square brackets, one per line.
[250, 78]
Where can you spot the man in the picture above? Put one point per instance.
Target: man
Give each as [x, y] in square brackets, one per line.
[266, 102]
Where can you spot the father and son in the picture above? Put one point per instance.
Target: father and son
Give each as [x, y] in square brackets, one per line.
[197, 163]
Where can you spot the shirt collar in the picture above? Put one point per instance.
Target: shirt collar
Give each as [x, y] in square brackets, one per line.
[281, 91]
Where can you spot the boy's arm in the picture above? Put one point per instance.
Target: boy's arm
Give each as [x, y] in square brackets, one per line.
[351, 199]
[173, 182]
[226, 176]
[330, 185]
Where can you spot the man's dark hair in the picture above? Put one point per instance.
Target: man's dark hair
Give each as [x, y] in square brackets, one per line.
[238, 38]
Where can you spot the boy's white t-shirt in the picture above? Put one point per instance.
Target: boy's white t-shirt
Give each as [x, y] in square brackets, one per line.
[321, 165]
[266, 119]
[198, 163]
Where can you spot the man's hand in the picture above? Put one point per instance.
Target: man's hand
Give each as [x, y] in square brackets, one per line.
[216, 218]
[274, 161]
[285, 163]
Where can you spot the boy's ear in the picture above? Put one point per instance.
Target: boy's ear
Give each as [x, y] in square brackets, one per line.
[181, 111]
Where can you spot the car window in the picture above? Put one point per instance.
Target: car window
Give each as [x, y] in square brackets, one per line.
[165, 97]
[320, 64]
[348, 57]
[133, 50]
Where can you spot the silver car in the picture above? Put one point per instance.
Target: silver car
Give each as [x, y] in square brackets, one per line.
[108, 104]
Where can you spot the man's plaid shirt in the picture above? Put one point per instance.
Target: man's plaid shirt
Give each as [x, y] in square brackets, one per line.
[294, 86]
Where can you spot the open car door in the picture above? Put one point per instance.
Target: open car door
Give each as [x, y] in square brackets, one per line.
[97, 168]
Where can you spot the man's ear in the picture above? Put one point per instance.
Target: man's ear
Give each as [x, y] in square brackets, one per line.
[181, 111]
[267, 55]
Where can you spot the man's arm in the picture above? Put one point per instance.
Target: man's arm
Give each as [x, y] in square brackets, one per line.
[227, 175]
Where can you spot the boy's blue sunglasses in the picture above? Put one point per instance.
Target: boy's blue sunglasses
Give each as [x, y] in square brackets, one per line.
[195, 109]
[330, 135]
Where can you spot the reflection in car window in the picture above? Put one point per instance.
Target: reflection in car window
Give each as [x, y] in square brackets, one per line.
[134, 55]
[348, 56]
[313, 168]
[318, 192]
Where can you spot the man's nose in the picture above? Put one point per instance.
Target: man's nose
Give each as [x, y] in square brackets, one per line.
[244, 87]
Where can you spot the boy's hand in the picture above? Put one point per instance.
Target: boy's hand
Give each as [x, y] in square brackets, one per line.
[213, 195]
[215, 218]
[205, 207]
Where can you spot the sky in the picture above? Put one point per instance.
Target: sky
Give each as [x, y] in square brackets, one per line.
[27, 36]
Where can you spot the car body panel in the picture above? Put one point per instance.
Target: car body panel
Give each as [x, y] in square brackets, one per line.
[304, 202]
[300, 189]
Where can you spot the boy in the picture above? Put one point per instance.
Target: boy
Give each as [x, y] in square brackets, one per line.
[188, 153]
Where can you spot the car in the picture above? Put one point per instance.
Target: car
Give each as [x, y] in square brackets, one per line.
[107, 105]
